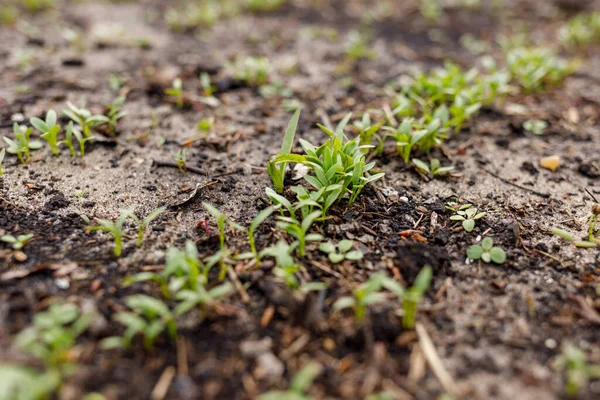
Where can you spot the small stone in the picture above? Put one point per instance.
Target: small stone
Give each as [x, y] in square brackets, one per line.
[550, 163]
[62, 283]
[270, 366]
[19, 256]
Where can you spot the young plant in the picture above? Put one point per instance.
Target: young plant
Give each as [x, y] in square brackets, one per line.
[22, 383]
[276, 168]
[115, 113]
[115, 228]
[181, 161]
[53, 334]
[299, 385]
[143, 224]
[487, 252]
[286, 267]
[150, 317]
[568, 236]
[573, 362]
[223, 255]
[17, 242]
[84, 118]
[253, 71]
[405, 137]
[2, 153]
[465, 213]
[201, 297]
[209, 89]
[535, 126]
[363, 296]
[23, 144]
[299, 229]
[412, 296]
[81, 139]
[176, 91]
[69, 139]
[433, 168]
[366, 130]
[49, 130]
[256, 222]
[343, 251]
[359, 46]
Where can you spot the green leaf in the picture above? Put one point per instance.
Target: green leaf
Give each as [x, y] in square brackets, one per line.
[290, 132]
[498, 255]
[421, 165]
[344, 302]
[474, 252]
[345, 245]
[354, 255]
[39, 125]
[336, 257]
[487, 243]
[485, 256]
[327, 247]
[305, 377]
[468, 225]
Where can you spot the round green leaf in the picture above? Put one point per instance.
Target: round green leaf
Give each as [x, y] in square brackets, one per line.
[487, 243]
[335, 257]
[468, 224]
[474, 252]
[498, 255]
[486, 257]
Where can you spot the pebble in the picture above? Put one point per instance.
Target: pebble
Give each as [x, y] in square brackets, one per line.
[62, 283]
[19, 256]
[552, 163]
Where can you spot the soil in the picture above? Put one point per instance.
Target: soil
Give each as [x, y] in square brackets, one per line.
[496, 328]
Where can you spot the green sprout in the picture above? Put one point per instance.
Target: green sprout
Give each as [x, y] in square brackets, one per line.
[433, 168]
[223, 255]
[359, 47]
[286, 267]
[487, 252]
[84, 118]
[256, 222]
[299, 229]
[465, 213]
[206, 124]
[22, 145]
[201, 297]
[580, 30]
[298, 386]
[569, 237]
[343, 251]
[49, 130]
[150, 317]
[115, 228]
[253, 71]
[412, 296]
[176, 91]
[366, 130]
[181, 161]
[143, 224]
[405, 138]
[535, 126]
[277, 169]
[2, 153]
[22, 383]
[17, 242]
[115, 113]
[53, 334]
[364, 295]
[208, 87]
[573, 362]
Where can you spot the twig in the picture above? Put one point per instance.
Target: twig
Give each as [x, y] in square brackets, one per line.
[238, 285]
[434, 360]
[195, 170]
[182, 360]
[162, 386]
[544, 195]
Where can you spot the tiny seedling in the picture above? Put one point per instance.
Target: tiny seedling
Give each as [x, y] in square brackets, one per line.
[143, 224]
[286, 267]
[176, 91]
[17, 242]
[81, 139]
[405, 137]
[23, 383]
[366, 130]
[412, 296]
[535, 126]
[223, 255]
[363, 296]
[49, 130]
[200, 297]
[53, 334]
[150, 317]
[465, 213]
[69, 139]
[209, 89]
[2, 153]
[299, 229]
[433, 168]
[115, 113]
[256, 222]
[578, 243]
[115, 228]
[359, 46]
[206, 124]
[487, 252]
[343, 251]
[298, 386]
[84, 118]
[253, 71]
[22, 145]
[573, 362]
[181, 161]
[277, 169]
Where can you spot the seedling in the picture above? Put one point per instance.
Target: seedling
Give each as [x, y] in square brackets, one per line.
[286, 267]
[487, 252]
[256, 222]
[206, 124]
[209, 89]
[22, 383]
[221, 218]
[275, 168]
[84, 118]
[580, 30]
[181, 161]
[115, 228]
[465, 213]
[176, 91]
[150, 317]
[366, 130]
[433, 168]
[53, 334]
[573, 362]
[115, 113]
[363, 296]
[49, 130]
[79, 137]
[411, 297]
[143, 224]
[359, 46]
[568, 236]
[299, 229]
[299, 385]
[17, 242]
[253, 71]
[405, 137]
[535, 126]
[276, 89]
[201, 297]
[2, 153]
[343, 251]
[22, 145]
